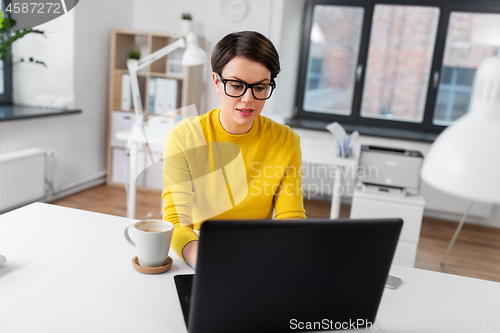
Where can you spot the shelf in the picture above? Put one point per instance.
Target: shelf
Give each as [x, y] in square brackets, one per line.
[125, 71]
[127, 42]
[130, 32]
[129, 111]
[166, 76]
[117, 88]
[151, 74]
[174, 35]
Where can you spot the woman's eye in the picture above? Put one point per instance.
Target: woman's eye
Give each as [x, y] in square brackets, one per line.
[259, 88]
[237, 86]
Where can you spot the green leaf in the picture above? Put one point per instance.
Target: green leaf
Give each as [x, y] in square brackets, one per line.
[6, 25]
[21, 34]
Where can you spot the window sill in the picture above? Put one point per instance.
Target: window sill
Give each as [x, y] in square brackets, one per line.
[18, 112]
[365, 130]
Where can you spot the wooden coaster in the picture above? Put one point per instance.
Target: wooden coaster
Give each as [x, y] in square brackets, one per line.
[152, 270]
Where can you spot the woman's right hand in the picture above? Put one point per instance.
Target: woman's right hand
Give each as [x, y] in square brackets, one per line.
[190, 253]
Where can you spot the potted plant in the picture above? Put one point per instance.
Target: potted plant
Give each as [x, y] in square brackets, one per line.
[186, 22]
[134, 54]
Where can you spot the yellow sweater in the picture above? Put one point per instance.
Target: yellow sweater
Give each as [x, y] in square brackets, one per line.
[210, 174]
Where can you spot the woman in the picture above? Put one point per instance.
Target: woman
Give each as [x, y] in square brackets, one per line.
[232, 163]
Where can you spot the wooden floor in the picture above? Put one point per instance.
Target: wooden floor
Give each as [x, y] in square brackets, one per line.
[476, 252]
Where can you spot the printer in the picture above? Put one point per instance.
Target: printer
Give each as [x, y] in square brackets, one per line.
[391, 168]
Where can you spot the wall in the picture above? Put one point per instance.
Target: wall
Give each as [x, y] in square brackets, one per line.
[79, 140]
[31, 82]
[288, 44]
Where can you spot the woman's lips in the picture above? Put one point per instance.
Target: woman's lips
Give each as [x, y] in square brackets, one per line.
[245, 112]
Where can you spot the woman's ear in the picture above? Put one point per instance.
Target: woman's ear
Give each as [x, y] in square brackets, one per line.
[217, 83]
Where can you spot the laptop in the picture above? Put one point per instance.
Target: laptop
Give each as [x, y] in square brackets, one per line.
[281, 276]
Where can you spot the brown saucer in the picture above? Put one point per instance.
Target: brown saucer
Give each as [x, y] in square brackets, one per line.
[152, 270]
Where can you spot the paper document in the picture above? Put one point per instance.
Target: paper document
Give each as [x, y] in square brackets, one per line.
[343, 143]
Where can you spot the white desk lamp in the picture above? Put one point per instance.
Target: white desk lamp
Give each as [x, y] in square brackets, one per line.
[465, 159]
[193, 56]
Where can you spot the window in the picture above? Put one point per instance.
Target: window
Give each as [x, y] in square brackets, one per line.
[470, 39]
[406, 65]
[399, 62]
[334, 38]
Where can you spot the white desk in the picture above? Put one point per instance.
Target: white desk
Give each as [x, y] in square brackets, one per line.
[323, 152]
[69, 270]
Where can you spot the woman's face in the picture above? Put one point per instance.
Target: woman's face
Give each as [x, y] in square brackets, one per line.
[238, 113]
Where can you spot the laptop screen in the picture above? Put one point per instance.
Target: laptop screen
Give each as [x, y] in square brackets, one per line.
[280, 276]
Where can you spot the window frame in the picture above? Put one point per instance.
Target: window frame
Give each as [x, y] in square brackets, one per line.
[446, 7]
[6, 97]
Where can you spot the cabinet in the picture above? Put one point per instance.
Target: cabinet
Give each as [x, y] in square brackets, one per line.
[188, 82]
[369, 203]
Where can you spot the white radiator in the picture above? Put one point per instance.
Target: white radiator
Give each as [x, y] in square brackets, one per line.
[440, 202]
[21, 177]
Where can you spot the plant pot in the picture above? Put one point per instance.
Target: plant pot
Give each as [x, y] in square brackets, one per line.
[134, 60]
[130, 60]
[186, 25]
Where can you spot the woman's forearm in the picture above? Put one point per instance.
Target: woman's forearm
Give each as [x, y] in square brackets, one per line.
[190, 253]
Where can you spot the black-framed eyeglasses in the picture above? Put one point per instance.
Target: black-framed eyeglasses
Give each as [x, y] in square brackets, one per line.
[235, 88]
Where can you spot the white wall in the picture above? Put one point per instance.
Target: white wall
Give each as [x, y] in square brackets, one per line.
[31, 82]
[79, 140]
[290, 29]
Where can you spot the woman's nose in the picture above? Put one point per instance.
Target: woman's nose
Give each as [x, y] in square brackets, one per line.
[247, 96]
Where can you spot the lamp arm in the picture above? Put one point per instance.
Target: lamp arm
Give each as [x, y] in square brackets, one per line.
[180, 43]
[135, 66]
[136, 97]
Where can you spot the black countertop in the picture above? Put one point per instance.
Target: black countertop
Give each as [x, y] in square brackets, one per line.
[17, 112]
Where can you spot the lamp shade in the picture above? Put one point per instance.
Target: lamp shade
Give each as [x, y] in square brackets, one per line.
[465, 159]
[194, 54]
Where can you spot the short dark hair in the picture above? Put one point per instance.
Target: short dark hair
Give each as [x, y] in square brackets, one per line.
[247, 44]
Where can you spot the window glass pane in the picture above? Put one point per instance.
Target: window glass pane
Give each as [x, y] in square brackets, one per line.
[471, 38]
[399, 62]
[333, 56]
[1, 78]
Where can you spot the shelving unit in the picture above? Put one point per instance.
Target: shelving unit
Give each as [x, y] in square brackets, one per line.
[190, 84]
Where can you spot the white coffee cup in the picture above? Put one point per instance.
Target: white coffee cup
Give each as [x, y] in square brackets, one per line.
[152, 241]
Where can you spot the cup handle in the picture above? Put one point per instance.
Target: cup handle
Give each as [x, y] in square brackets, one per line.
[127, 237]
